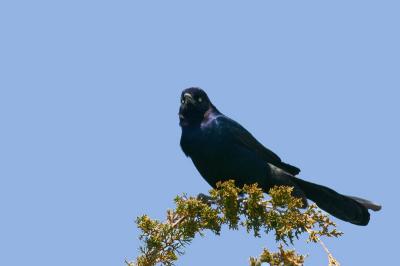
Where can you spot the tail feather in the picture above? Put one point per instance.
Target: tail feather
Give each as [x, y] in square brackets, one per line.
[346, 208]
[293, 170]
[367, 204]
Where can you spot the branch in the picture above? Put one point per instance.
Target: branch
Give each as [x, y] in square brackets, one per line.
[234, 207]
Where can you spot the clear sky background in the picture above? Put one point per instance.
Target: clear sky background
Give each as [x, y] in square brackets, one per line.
[89, 95]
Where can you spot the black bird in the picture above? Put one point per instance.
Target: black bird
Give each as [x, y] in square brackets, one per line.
[221, 149]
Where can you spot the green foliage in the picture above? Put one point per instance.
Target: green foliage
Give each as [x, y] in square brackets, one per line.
[282, 257]
[229, 205]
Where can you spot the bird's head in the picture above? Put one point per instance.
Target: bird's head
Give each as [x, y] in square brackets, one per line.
[194, 104]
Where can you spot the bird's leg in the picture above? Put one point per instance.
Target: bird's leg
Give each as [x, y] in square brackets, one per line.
[205, 198]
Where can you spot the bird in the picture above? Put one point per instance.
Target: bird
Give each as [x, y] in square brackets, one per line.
[221, 149]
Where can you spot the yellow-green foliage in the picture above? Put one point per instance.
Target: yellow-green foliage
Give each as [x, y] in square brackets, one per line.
[229, 205]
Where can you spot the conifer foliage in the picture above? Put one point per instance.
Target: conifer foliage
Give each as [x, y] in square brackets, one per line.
[248, 207]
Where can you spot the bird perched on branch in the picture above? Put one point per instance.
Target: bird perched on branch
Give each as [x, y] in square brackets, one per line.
[221, 149]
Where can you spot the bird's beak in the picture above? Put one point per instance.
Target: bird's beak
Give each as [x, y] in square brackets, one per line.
[188, 98]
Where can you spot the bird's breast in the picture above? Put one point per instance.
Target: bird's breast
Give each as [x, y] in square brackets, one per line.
[217, 159]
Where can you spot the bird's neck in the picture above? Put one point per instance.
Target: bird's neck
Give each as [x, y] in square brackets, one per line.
[196, 124]
[211, 112]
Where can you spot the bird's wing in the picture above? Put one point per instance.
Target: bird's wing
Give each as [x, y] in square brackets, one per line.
[241, 136]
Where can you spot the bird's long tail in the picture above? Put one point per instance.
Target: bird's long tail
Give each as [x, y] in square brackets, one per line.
[347, 208]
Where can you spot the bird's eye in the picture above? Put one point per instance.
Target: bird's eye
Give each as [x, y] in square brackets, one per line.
[200, 99]
[182, 101]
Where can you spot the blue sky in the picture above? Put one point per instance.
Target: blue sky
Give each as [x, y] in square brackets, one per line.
[89, 94]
